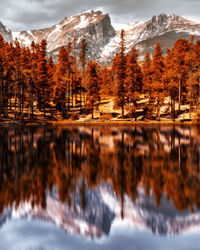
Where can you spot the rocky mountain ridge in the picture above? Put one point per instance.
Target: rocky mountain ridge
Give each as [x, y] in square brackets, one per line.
[93, 25]
[144, 35]
[6, 33]
[103, 36]
[102, 214]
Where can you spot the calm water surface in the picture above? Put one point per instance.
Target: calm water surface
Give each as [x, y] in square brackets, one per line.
[100, 187]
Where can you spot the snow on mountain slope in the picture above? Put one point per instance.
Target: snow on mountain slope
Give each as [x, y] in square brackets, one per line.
[6, 33]
[144, 35]
[132, 36]
[94, 26]
[143, 214]
[102, 214]
[103, 37]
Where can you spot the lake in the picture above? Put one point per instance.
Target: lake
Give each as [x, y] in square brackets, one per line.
[100, 187]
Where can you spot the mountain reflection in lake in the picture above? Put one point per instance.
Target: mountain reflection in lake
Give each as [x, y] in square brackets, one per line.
[95, 181]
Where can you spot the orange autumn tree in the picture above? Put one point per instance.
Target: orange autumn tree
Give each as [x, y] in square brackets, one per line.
[18, 77]
[133, 81]
[119, 65]
[69, 68]
[60, 79]
[181, 50]
[107, 82]
[7, 74]
[42, 77]
[147, 84]
[26, 80]
[83, 62]
[92, 82]
[1, 72]
[158, 68]
[2, 68]
[50, 72]
[196, 69]
[147, 76]
[170, 80]
[33, 76]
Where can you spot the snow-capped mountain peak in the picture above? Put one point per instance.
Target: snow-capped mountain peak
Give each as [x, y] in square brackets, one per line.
[93, 25]
[103, 37]
[144, 35]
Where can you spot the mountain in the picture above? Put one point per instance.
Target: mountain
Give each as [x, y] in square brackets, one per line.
[103, 36]
[144, 35]
[93, 221]
[6, 33]
[94, 26]
[102, 214]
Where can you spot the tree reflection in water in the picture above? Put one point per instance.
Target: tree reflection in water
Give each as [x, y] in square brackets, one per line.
[161, 160]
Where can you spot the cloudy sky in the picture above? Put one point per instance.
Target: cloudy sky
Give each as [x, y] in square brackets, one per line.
[40, 235]
[29, 14]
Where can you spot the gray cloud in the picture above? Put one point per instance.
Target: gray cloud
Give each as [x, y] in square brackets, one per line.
[31, 14]
[40, 235]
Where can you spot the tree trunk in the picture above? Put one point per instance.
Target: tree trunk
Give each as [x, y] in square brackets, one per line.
[15, 104]
[92, 112]
[199, 93]
[68, 95]
[22, 103]
[179, 95]
[171, 103]
[1, 96]
[190, 98]
[80, 99]
[72, 91]
[158, 109]
[32, 104]
[123, 111]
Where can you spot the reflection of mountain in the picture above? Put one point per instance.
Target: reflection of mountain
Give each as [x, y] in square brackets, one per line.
[6, 215]
[94, 221]
[162, 161]
[103, 214]
[144, 213]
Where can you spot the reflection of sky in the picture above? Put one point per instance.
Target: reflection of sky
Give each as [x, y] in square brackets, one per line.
[37, 235]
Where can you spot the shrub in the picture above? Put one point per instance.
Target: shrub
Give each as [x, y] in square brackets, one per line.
[106, 117]
[197, 118]
[73, 116]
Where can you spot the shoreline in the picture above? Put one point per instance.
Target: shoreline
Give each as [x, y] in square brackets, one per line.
[15, 123]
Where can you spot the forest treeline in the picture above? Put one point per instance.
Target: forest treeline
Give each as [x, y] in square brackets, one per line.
[159, 160]
[31, 83]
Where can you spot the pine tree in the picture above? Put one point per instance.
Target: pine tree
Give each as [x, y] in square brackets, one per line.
[147, 84]
[74, 71]
[19, 67]
[33, 76]
[196, 69]
[60, 80]
[119, 65]
[42, 77]
[133, 81]
[147, 76]
[69, 65]
[106, 88]
[181, 50]
[83, 62]
[93, 82]
[158, 68]
[1, 72]
[8, 78]
[170, 80]
[26, 75]
[51, 85]
[191, 79]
